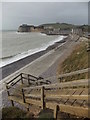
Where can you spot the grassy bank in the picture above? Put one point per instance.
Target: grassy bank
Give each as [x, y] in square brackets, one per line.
[66, 26]
[14, 112]
[76, 61]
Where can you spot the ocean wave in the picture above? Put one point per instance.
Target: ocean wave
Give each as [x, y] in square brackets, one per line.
[13, 58]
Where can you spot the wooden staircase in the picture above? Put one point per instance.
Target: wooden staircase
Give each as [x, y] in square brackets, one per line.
[67, 97]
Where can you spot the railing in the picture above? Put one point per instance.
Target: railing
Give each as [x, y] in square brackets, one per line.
[62, 95]
[78, 72]
[69, 97]
[30, 79]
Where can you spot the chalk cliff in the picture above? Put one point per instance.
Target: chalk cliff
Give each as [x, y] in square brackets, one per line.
[30, 28]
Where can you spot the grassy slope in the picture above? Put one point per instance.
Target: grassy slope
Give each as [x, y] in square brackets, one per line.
[76, 61]
[14, 112]
[60, 25]
[66, 26]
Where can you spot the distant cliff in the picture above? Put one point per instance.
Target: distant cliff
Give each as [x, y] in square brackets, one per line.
[30, 28]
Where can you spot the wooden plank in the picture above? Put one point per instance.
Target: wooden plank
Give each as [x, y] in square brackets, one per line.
[13, 79]
[74, 73]
[78, 111]
[42, 97]
[30, 75]
[13, 83]
[78, 97]
[32, 96]
[71, 84]
[33, 102]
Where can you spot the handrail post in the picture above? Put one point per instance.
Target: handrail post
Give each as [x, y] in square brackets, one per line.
[23, 96]
[7, 90]
[28, 80]
[21, 79]
[42, 97]
[55, 112]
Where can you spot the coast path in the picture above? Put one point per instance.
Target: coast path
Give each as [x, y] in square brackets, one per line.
[46, 65]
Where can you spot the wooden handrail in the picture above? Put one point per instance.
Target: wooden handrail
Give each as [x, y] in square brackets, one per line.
[74, 73]
[43, 98]
[13, 79]
[76, 83]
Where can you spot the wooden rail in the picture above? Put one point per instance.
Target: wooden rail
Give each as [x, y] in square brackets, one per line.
[68, 97]
[87, 70]
[50, 100]
[60, 77]
[23, 78]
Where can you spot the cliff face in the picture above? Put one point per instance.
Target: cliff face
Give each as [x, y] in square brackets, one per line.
[28, 28]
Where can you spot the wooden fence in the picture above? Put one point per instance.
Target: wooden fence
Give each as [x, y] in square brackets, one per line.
[67, 97]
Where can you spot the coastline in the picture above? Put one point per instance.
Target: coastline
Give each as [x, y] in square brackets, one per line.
[44, 66]
[13, 67]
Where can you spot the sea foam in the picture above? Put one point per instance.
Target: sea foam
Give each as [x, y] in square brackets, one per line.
[11, 59]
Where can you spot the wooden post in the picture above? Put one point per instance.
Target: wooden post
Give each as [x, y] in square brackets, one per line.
[28, 80]
[23, 95]
[12, 102]
[55, 112]
[21, 79]
[28, 109]
[42, 97]
[7, 90]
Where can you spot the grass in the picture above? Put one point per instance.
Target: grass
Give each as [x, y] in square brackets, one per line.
[76, 61]
[60, 25]
[14, 112]
[46, 114]
[66, 26]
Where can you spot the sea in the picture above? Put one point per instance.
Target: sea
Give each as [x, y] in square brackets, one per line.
[16, 45]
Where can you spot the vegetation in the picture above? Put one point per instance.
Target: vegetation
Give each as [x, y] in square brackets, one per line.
[76, 61]
[14, 112]
[60, 25]
[85, 28]
[46, 114]
[66, 26]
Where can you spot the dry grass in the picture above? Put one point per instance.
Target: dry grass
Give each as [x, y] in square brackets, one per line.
[76, 61]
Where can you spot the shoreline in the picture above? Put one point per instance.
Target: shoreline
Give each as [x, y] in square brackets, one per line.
[45, 66]
[13, 67]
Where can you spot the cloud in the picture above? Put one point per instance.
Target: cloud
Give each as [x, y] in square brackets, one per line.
[17, 13]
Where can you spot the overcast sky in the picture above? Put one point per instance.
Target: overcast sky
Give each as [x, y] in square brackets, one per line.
[36, 13]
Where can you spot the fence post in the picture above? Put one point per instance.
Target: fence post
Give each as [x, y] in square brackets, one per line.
[23, 95]
[7, 90]
[55, 111]
[21, 79]
[28, 80]
[42, 97]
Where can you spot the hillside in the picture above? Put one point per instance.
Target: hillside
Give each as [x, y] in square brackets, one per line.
[65, 26]
[76, 61]
[59, 25]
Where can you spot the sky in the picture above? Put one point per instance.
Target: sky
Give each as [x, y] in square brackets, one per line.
[36, 13]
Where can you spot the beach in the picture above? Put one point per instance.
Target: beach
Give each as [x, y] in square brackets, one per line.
[40, 64]
[12, 67]
[45, 65]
